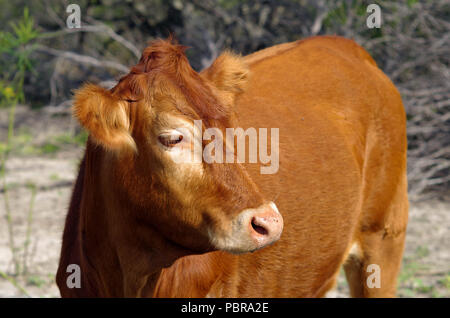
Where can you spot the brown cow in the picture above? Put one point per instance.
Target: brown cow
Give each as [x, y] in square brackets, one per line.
[140, 224]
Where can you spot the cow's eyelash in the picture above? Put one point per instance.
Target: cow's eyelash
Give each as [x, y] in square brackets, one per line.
[167, 140]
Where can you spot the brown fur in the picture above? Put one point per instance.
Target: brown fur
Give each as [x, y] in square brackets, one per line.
[137, 230]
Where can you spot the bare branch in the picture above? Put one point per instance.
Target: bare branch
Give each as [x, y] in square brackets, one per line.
[83, 59]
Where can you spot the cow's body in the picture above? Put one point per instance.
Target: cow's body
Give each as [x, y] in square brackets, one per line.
[341, 187]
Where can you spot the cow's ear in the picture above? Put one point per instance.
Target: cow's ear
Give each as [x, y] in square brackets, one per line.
[229, 73]
[105, 116]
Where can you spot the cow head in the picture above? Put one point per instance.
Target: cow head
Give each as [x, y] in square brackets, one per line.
[145, 123]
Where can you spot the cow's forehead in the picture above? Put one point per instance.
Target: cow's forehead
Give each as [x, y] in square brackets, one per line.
[171, 80]
[166, 97]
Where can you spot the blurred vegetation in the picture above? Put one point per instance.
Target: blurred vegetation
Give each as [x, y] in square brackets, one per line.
[15, 49]
[15, 61]
[411, 280]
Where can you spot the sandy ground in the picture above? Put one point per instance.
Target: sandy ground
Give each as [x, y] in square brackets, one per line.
[426, 266]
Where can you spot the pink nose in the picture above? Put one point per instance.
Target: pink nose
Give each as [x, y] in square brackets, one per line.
[266, 225]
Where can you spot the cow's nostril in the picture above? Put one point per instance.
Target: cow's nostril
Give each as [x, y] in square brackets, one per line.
[258, 228]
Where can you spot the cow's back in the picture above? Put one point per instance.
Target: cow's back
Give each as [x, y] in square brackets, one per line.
[334, 108]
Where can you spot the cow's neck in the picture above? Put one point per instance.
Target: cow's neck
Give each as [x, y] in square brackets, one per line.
[196, 276]
[98, 261]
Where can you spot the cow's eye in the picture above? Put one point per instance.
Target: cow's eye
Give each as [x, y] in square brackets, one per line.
[170, 140]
